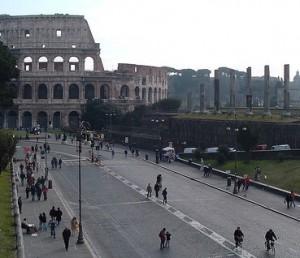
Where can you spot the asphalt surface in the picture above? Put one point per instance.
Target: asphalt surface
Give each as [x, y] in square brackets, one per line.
[121, 222]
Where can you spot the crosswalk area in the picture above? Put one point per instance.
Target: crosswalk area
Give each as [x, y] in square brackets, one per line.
[74, 162]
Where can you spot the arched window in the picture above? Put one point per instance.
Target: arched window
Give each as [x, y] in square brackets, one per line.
[58, 64]
[56, 120]
[27, 120]
[43, 119]
[74, 119]
[27, 92]
[73, 64]
[137, 92]
[124, 91]
[73, 91]
[43, 63]
[58, 91]
[42, 91]
[150, 95]
[144, 94]
[155, 95]
[89, 91]
[89, 64]
[104, 91]
[28, 64]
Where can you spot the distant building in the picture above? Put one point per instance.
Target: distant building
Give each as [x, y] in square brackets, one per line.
[61, 69]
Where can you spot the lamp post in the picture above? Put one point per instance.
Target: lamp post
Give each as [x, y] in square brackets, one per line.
[158, 152]
[82, 130]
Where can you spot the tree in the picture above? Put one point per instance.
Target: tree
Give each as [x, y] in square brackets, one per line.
[7, 148]
[247, 138]
[8, 71]
[167, 105]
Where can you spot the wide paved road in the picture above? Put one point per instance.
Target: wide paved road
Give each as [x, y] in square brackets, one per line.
[121, 222]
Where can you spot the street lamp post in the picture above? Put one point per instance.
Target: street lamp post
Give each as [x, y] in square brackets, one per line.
[158, 152]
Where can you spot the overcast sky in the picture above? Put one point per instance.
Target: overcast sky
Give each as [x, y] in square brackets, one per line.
[193, 34]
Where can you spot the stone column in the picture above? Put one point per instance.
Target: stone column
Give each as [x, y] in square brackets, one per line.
[249, 92]
[217, 92]
[202, 98]
[267, 91]
[232, 91]
[286, 100]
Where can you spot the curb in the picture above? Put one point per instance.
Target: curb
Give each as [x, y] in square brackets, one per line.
[225, 191]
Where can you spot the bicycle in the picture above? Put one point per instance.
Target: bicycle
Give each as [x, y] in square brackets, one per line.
[270, 246]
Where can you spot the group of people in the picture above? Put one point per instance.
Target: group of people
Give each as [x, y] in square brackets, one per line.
[55, 162]
[157, 188]
[270, 237]
[165, 238]
[207, 170]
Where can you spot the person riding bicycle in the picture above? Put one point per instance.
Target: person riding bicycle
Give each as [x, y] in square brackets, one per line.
[270, 237]
[238, 237]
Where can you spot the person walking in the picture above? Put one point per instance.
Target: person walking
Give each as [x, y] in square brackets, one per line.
[164, 194]
[293, 196]
[38, 191]
[44, 222]
[40, 221]
[44, 191]
[59, 162]
[149, 190]
[112, 154]
[33, 190]
[168, 237]
[156, 189]
[74, 225]
[125, 152]
[20, 204]
[162, 236]
[66, 236]
[27, 190]
[22, 176]
[52, 213]
[52, 225]
[287, 200]
[58, 215]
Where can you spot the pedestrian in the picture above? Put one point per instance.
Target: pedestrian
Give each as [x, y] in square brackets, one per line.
[209, 170]
[293, 199]
[287, 200]
[33, 191]
[58, 215]
[132, 152]
[156, 189]
[27, 190]
[44, 222]
[162, 236]
[40, 221]
[44, 191]
[52, 213]
[55, 162]
[21, 168]
[149, 190]
[38, 191]
[164, 194]
[112, 154]
[52, 163]
[205, 171]
[20, 204]
[168, 237]
[74, 226]
[59, 162]
[125, 152]
[239, 184]
[66, 236]
[22, 176]
[247, 183]
[52, 226]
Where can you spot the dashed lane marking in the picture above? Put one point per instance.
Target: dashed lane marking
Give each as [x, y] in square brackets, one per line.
[195, 224]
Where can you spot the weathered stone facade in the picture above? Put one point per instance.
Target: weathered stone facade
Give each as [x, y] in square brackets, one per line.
[61, 69]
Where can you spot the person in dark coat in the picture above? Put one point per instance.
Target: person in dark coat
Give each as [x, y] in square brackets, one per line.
[27, 190]
[52, 213]
[33, 191]
[164, 194]
[58, 215]
[156, 189]
[20, 204]
[288, 200]
[66, 236]
[162, 236]
[59, 162]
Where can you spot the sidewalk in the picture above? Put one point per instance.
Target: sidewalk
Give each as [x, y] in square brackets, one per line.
[42, 245]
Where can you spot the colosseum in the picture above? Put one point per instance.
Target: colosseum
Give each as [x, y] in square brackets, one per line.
[61, 69]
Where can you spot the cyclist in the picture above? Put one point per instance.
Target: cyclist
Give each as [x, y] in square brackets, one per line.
[270, 237]
[238, 237]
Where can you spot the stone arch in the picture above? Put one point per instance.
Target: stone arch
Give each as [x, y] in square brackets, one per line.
[73, 91]
[58, 91]
[89, 91]
[150, 95]
[27, 120]
[1, 120]
[74, 119]
[155, 95]
[159, 94]
[104, 91]
[43, 63]
[144, 94]
[73, 64]
[58, 64]
[42, 91]
[13, 89]
[124, 92]
[137, 92]
[27, 91]
[56, 119]
[12, 119]
[42, 119]
[89, 64]
[28, 64]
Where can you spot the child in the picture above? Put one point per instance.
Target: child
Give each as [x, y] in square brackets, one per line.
[168, 235]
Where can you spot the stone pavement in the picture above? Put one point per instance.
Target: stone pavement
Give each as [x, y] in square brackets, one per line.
[42, 245]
